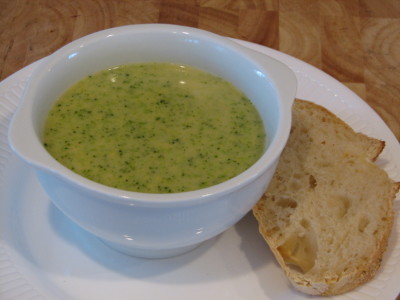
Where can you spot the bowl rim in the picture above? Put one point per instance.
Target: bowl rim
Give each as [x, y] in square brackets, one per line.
[270, 155]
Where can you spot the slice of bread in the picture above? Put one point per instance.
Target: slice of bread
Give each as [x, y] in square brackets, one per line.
[327, 214]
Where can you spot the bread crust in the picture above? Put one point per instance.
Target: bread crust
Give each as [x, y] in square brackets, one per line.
[272, 227]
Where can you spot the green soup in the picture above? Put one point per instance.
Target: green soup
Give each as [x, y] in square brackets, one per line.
[155, 128]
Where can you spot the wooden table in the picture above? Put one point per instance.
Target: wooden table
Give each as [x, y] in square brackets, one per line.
[355, 41]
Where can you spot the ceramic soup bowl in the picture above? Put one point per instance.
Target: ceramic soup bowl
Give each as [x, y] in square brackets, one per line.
[145, 224]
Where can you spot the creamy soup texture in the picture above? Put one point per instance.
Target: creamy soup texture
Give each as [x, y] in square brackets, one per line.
[154, 128]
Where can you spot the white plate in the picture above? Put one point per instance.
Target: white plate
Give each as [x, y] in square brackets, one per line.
[43, 255]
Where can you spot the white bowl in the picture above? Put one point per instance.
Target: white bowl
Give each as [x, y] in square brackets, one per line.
[142, 224]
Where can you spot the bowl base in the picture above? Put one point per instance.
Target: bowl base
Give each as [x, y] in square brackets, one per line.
[149, 253]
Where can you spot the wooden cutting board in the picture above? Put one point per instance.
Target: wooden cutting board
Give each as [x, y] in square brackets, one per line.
[355, 41]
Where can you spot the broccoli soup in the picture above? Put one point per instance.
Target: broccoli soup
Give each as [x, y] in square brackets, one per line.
[155, 128]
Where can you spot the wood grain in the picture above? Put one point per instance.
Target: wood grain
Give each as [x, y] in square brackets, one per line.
[355, 41]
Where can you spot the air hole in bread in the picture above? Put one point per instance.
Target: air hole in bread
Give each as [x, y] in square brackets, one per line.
[299, 251]
[273, 230]
[305, 223]
[312, 181]
[287, 203]
[343, 204]
[363, 223]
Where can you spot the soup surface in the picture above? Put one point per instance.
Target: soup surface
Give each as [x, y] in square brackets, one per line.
[154, 128]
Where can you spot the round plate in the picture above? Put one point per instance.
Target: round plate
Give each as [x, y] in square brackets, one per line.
[43, 255]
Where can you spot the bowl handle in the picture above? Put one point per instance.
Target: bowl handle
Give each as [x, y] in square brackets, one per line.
[288, 87]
